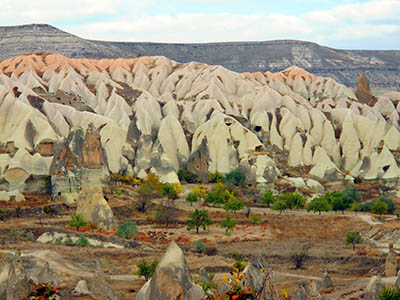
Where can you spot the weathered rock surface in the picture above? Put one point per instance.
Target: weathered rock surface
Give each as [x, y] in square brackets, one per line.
[391, 262]
[79, 119]
[92, 206]
[171, 278]
[374, 287]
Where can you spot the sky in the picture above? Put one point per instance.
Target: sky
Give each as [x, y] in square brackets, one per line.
[344, 24]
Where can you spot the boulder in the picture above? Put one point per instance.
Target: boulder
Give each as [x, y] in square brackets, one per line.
[397, 282]
[300, 292]
[98, 285]
[325, 282]
[48, 275]
[374, 287]
[94, 208]
[170, 279]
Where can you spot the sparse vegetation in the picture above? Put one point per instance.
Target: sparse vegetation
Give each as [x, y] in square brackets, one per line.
[389, 293]
[228, 223]
[235, 177]
[127, 230]
[77, 221]
[255, 219]
[199, 246]
[267, 198]
[147, 270]
[82, 242]
[300, 256]
[215, 177]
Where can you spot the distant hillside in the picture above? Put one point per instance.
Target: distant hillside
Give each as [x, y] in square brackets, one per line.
[381, 67]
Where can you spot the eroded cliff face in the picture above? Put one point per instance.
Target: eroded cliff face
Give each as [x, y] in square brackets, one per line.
[72, 118]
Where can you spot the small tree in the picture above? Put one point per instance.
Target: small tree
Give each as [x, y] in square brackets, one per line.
[233, 204]
[267, 198]
[168, 190]
[127, 230]
[164, 214]
[198, 218]
[215, 177]
[145, 193]
[279, 205]
[356, 207]
[353, 238]
[228, 223]
[218, 195]
[147, 270]
[318, 205]
[200, 190]
[379, 207]
[351, 194]
[199, 246]
[299, 257]
[192, 198]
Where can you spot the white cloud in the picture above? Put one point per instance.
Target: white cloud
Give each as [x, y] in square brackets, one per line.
[28, 11]
[199, 28]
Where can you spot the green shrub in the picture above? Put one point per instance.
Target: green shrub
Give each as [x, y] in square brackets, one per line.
[379, 207]
[199, 246]
[69, 242]
[58, 241]
[293, 200]
[187, 176]
[145, 269]
[218, 195]
[389, 294]
[127, 230]
[279, 205]
[82, 242]
[351, 194]
[77, 221]
[215, 177]
[235, 177]
[168, 190]
[29, 236]
[255, 219]
[267, 198]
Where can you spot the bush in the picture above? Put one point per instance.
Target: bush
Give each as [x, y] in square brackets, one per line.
[58, 241]
[199, 246]
[147, 270]
[77, 221]
[168, 190]
[239, 265]
[187, 176]
[228, 223]
[164, 214]
[368, 205]
[127, 230]
[351, 194]
[293, 200]
[82, 242]
[389, 294]
[379, 207]
[218, 195]
[255, 219]
[299, 257]
[215, 177]
[198, 218]
[279, 205]
[267, 198]
[235, 177]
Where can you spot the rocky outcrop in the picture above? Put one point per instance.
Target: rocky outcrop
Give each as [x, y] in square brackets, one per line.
[171, 279]
[363, 92]
[391, 262]
[374, 287]
[92, 206]
[79, 120]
